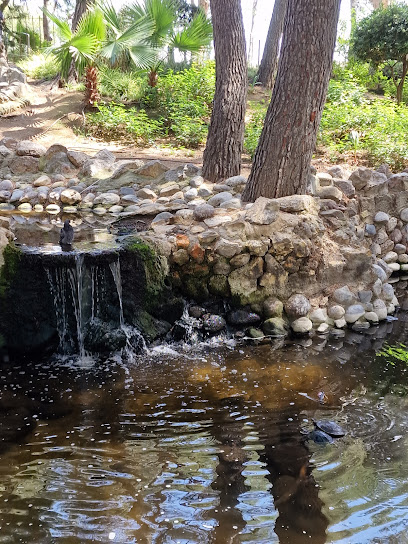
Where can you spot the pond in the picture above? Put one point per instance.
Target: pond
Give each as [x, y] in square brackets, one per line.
[207, 444]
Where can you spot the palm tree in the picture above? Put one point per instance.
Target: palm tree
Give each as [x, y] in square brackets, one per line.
[100, 34]
[192, 37]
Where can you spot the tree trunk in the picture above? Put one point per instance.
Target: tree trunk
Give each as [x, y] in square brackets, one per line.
[80, 8]
[282, 159]
[46, 26]
[4, 4]
[378, 3]
[222, 155]
[251, 34]
[204, 5]
[269, 63]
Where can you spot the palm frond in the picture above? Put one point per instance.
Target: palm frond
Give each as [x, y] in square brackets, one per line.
[162, 13]
[64, 30]
[133, 37]
[194, 37]
[92, 23]
[144, 57]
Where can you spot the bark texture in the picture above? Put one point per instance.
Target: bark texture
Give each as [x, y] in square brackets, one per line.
[222, 155]
[46, 26]
[80, 7]
[282, 159]
[269, 63]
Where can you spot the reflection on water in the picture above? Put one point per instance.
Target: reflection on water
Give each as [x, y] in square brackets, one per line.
[207, 447]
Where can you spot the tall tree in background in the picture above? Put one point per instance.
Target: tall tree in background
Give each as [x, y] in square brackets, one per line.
[3, 53]
[282, 159]
[222, 155]
[269, 63]
[46, 25]
[204, 5]
[80, 8]
[251, 33]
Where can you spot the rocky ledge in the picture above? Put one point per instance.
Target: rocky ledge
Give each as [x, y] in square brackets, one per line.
[321, 261]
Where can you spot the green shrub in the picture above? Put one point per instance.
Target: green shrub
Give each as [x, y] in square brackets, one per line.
[39, 66]
[179, 106]
[119, 85]
[253, 127]
[120, 122]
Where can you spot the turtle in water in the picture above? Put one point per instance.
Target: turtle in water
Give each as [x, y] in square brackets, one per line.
[329, 427]
[319, 437]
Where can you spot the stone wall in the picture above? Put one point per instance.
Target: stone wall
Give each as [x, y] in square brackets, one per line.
[319, 261]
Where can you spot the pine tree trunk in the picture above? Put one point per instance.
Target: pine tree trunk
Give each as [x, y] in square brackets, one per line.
[46, 26]
[204, 5]
[269, 63]
[80, 8]
[282, 159]
[222, 155]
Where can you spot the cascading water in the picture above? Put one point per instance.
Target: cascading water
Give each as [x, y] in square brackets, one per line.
[85, 304]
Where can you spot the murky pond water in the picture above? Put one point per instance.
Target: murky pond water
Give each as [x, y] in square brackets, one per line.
[207, 446]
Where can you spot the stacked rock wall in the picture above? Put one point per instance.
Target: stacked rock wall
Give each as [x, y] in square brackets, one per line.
[318, 261]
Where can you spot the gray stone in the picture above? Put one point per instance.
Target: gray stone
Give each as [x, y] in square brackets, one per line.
[365, 296]
[372, 317]
[191, 194]
[379, 272]
[377, 287]
[152, 169]
[404, 215]
[6, 185]
[336, 312]
[205, 190]
[370, 230]
[344, 296]
[297, 306]
[59, 163]
[381, 218]
[275, 326]
[68, 196]
[196, 182]
[380, 309]
[77, 158]
[106, 199]
[361, 177]
[302, 325]
[16, 195]
[325, 179]
[296, 203]
[163, 218]
[242, 317]
[5, 196]
[227, 249]
[233, 204]
[30, 149]
[146, 193]
[338, 172]
[240, 260]
[236, 181]
[219, 198]
[332, 193]
[400, 248]
[272, 307]
[213, 323]
[262, 212]
[204, 211]
[387, 292]
[24, 165]
[318, 316]
[346, 187]
[170, 190]
[391, 257]
[354, 312]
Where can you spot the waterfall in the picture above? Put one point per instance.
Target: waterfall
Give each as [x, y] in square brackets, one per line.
[88, 303]
[66, 286]
[134, 339]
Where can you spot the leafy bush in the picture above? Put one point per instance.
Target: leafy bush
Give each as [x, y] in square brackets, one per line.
[40, 66]
[179, 106]
[253, 127]
[380, 124]
[119, 85]
[372, 129]
[120, 122]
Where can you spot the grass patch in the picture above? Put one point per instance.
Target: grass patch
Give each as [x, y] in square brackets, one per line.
[40, 66]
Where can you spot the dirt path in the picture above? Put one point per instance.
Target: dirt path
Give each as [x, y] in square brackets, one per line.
[55, 113]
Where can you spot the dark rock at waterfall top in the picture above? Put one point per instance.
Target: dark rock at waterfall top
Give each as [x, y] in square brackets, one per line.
[213, 323]
[196, 311]
[66, 234]
[242, 317]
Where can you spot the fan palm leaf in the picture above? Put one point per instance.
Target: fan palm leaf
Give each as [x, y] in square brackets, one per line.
[195, 36]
